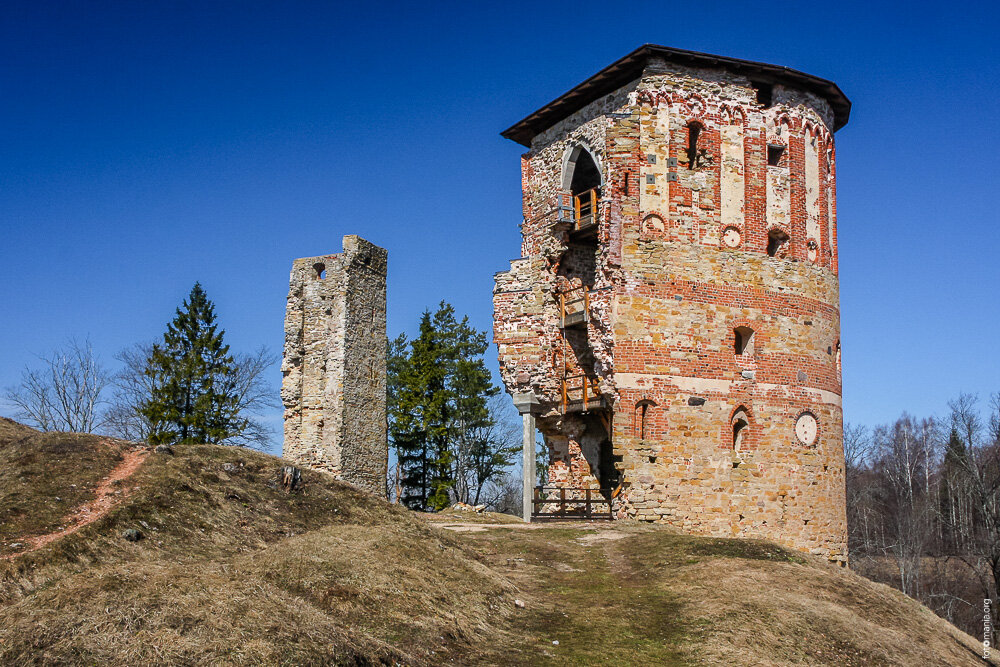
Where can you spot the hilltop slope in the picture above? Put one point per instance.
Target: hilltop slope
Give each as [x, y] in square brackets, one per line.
[231, 569]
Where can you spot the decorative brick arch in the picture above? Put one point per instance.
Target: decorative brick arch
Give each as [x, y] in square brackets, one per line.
[789, 121]
[759, 333]
[818, 130]
[653, 225]
[732, 114]
[696, 105]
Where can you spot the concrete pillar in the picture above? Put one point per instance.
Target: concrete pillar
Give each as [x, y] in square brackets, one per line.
[529, 464]
[527, 405]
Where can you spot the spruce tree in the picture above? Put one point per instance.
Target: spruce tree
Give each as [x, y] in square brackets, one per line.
[438, 390]
[193, 398]
[475, 454]
[417, 411]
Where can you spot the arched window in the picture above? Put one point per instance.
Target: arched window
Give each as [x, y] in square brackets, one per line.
[743, 341]
[582, 173]
[582, 177]
[320, 269]
[643, 417]
[777, 243]
[741, 426]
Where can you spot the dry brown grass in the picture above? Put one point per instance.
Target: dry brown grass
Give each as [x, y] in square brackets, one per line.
[639, 595]
[43, 476]
[232, 570]
[951, 586]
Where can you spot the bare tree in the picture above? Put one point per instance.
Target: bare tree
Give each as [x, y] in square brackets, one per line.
[923, 501]
[483, 453]
[133, 389]
[857, 445]
[982, 468]
[863, 512]
[504, 495]
[64, 393]
[254, 396]
[902, 458]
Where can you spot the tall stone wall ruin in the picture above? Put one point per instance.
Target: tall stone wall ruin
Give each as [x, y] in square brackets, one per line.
[334, 373]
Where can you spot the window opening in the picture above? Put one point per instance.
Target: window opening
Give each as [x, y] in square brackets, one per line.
[585, 173]
[743, 341]
[694, 131]
[765, 94]
[584, 185]
[774, 153]
[741, 424]
[320, 268]
[642, 417]
[777, 243]
[838, 361]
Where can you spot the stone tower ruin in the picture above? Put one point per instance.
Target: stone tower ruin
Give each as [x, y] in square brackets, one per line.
[333, 384]
[673, 322]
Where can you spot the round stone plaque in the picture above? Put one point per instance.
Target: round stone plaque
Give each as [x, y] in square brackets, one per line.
[805, 428]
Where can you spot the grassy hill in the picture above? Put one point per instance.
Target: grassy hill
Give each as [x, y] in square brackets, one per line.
[231, 568]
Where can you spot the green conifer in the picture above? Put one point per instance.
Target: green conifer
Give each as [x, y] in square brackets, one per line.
[438, 391]
[193, 379]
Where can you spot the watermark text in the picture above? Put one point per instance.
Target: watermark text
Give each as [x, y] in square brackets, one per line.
[987, 627]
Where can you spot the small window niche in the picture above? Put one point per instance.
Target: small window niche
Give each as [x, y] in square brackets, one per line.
[320, 269]
[642, 418]
[777, 243]
[743, 341]
[741, 428]
[837, 348]
[774, 153]
[693, 153]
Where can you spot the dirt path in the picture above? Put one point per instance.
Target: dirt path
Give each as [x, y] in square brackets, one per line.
[473, 526]
[106, 497]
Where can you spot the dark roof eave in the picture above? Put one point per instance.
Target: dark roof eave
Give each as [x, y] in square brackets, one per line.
[630, 67]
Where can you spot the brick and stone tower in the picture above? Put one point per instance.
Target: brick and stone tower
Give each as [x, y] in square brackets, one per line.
[333, 384]
[673, 321]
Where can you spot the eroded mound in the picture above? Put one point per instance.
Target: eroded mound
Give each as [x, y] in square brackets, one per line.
[229, 567]
[44, 476]
[222, 565]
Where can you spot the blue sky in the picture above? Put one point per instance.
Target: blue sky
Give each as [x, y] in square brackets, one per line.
[149, 145]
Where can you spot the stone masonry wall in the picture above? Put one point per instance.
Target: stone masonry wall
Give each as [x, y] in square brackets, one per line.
[683, 262]
[334, 366]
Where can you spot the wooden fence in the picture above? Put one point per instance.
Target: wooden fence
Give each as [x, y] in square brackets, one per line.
[571, 503]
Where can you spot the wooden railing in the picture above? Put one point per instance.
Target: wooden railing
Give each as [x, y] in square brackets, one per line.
[572, 503]
[574, 306]
[580, 390]
[585, 209]
[575, 212]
